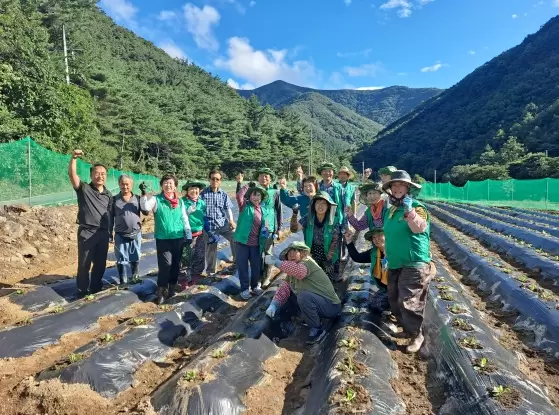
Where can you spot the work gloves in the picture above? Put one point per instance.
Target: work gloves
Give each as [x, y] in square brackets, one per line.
[407, 203]
[272, 260]
[272, 309]
[143, 188]
[295, 209]
[188, 237]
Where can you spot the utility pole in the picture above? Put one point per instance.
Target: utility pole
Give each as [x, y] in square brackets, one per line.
[325, 151]
[363, 169]
[65, 55]
[122, 150]
[310, 157]
[435, 183]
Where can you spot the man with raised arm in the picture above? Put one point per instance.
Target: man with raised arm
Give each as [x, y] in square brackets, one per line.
[94, 207]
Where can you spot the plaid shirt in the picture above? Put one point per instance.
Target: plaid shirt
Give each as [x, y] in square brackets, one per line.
[217, 205]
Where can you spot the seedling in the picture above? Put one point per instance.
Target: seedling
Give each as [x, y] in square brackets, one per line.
[532, 287]
[350, 394]
[470, 343]
[356, 287]
[462, 324]
[457, 309]
[443, 287]
[507, 270]
[135, 281]
[57, 309]
[218, 354]
[139, 321]
[190, 376]
[89, 297]
[239, 336]
[498, 391]
[546, 295]
[166, 307]
[20, 292]
[75, 357]
[439, 279]
[25, 322]
[481, 364]
[446, 296]
[107, 338]
[351, 343]
[521, 278]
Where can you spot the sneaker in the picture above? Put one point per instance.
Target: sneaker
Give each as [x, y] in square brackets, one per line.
[245, 295]
[415, 344]
[315, 335]
[257, 291]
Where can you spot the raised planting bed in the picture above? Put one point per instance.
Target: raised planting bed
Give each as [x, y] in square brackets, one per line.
[538, 213]
[536, 315]
[531, 215]
[477, 374]
[48, 329]
[354, 367]
[546, 243]
[516, 250]
[532, 223]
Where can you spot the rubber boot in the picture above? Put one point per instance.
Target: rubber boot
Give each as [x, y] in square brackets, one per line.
[267, 276]
[134, 266]
[416, 344]
[171, 291]
[161, 295]
[121, 274]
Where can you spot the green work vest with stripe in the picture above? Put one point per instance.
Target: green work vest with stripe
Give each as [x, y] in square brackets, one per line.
[403, 247]
[328, 230]
[316, 282]
[244, 225]
[349, 193]
[168, 222]
[196, 218]
[269, 204]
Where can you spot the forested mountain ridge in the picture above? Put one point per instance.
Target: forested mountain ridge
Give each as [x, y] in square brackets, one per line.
[498, 122]
[129, 105]
[383, 106]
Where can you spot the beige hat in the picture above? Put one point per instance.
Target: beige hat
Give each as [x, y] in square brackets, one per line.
[347, 171]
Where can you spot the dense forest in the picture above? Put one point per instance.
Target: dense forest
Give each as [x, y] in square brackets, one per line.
[500, 121]
[129, 104]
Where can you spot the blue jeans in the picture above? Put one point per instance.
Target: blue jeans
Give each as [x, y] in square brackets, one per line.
[128, 250]
[245, 255]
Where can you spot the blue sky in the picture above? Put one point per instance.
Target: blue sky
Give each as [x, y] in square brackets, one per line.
[335, 43]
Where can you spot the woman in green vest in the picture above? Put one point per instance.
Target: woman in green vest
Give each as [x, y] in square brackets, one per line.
[406, 228]
[370, 196]
[379, 265]
[172, 232]
[321, 230]
[250, 236]
[194, 259]
[307, 287]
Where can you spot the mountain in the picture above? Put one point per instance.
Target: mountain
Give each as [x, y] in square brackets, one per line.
[332, 123]
[383, 106]
[128, 103]
[512, 99]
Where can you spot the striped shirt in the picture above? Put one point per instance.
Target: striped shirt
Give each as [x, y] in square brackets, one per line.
[218, 205]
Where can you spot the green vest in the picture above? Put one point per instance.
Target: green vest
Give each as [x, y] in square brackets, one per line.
[168, 222]
[403, 247]
[337, 198]
[328, 230]
[349, 193]
[316, 282]
[269, 203]
[244, 225]
[196, 218]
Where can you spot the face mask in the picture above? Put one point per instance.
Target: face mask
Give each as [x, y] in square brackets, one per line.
[395, 201]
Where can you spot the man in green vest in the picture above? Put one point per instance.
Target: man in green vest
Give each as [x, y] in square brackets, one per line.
[406, 229]
[345, 175]
[272, 206]
[306, 286]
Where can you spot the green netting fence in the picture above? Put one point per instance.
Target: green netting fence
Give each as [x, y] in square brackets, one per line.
[31, 174]
[529, 194]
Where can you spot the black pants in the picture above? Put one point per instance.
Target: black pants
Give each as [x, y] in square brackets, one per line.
[93, 245]
[169, 252]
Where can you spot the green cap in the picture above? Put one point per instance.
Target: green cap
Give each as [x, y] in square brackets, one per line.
[194, 183]
[387, 170]
[369, 234]
[265, 170]
[298, 245]
[257, 188]
[368, 186]
[322, 195]
[326, 166]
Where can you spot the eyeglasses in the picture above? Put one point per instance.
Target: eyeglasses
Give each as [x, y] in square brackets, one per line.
[215, 179]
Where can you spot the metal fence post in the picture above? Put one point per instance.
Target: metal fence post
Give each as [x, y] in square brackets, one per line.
[29, 166]
[546, 191]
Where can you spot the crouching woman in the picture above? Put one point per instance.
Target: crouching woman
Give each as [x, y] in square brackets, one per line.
[307, 286]
[379, 266]
[406, 229]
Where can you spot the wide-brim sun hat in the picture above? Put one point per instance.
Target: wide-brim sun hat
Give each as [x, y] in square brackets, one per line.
[298, 245]
[322, 195]
[346, 171]
[194, 183]
[369, 234]
[400, 176]
[265, 170]
[259, 189]
[368, 186]
[326, 166]
[388, 170]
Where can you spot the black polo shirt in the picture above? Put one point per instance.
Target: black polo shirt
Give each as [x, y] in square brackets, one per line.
[94, 207]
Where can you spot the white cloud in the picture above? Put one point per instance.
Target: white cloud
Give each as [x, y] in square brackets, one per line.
[252, 3]
[234, 84]
[472, 52]
[347, 2]
[369, 88]
[369, 69]
[424, 2]
[435, 67]
[240, 8]
[514, 16]
[555, 3]
[403, 6]
[120, 10]
[165, 15]
[172, 49]
[364, 52]
[260, 67]
[200, 22]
